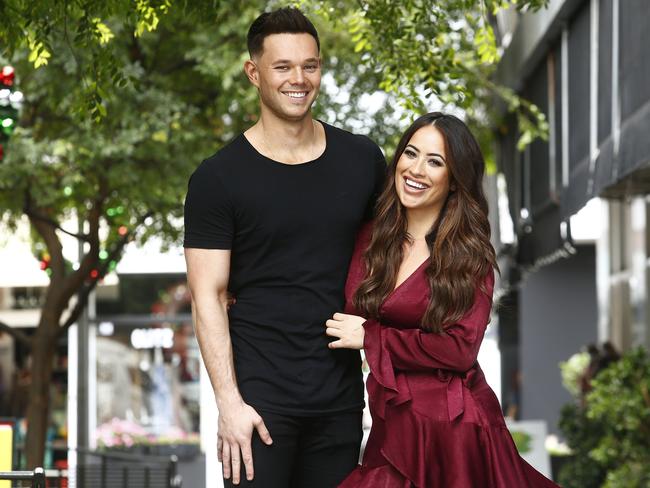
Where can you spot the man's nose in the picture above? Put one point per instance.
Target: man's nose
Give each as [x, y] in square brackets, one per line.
[297, 76]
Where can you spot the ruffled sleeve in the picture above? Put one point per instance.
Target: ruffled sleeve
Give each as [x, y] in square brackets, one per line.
[390, 349]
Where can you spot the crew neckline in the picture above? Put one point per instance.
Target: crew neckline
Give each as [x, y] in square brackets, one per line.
[305, 163]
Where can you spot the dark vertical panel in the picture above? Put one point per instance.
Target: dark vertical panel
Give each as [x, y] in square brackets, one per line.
[507, 310]
[524, 179]
[579, 86]
[537, 92]
[557, 55]
[604, 70]
[634, 48]
[507, 161]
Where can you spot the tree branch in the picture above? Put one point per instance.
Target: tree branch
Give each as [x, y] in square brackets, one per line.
[33, 215]
[84, 293]
[52, 241]
[18, 335]
[86, 264]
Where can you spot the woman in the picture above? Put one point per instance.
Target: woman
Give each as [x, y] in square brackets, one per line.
[422, 274]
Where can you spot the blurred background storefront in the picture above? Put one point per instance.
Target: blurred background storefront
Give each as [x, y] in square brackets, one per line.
[139, 361]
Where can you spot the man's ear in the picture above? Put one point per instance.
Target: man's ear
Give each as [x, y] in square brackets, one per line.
[252, 73]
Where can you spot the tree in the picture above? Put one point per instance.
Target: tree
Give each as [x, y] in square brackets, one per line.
[123, 97]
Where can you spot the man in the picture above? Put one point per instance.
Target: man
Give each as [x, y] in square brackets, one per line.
[272, 218]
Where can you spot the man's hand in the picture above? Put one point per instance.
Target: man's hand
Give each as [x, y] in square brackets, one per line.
[236, 425]
[348, 329]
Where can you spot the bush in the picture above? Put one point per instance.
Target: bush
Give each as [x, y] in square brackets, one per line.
[610, 432]
[582, 435]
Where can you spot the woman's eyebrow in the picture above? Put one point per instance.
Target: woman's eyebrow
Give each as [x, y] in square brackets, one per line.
[428, 154]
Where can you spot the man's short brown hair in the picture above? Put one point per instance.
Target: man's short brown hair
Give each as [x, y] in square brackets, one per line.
[285, 20]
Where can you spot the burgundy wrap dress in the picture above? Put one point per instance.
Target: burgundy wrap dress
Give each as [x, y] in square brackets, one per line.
[436, 422]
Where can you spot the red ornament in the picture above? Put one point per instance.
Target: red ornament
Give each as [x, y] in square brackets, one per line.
[44, 264]
[7, 76]
[122, 230]
[94, 274]
[2, 152]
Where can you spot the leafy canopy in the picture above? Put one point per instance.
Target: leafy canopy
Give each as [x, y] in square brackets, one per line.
[123, 98]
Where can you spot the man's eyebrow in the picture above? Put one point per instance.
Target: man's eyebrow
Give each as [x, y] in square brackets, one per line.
[428, 154]
[288, 61]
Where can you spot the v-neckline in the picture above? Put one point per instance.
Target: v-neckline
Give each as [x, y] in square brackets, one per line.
[408, 278]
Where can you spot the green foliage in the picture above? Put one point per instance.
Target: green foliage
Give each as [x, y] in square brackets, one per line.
[611, 435]
[427, 51]
[573, 370]
[620, 400]
[123, 98]
[582, 435]
[157, 104]
[522, 440]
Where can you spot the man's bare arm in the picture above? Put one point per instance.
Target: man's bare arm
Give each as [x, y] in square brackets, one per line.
[208, 271]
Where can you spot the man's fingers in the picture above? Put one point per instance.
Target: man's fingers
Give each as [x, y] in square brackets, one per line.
[236, 464]
[264, 433]
[339, 316]
[247, 458]
[225, 459]
[219, 449]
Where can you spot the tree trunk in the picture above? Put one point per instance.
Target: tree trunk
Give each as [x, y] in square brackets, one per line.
[38, 414]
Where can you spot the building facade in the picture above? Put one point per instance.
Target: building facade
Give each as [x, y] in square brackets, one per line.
[586, 65]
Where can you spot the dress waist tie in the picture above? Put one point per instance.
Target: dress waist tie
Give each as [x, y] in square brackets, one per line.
[455, 382]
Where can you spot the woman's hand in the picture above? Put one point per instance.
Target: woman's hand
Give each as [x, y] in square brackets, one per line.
[348, 329]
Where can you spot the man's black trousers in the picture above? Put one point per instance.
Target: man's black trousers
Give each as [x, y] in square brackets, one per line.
[307, 452]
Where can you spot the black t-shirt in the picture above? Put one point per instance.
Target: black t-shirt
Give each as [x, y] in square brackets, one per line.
[291, 231]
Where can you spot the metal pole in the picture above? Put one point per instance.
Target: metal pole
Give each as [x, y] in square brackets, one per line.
[103, 472]
[39, 478]
[82, 378]
[172, 471]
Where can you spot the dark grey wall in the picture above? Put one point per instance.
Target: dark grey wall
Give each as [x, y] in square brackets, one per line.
[557, 317]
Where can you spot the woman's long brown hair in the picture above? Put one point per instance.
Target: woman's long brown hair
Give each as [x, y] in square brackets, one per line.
[459, 240]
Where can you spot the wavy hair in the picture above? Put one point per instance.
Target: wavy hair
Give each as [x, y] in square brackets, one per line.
[459, 239]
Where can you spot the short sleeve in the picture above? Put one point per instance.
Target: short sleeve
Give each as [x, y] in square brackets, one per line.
[208, 215]
[379, 168]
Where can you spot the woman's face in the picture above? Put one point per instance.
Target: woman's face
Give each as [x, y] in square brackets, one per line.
[421, 174]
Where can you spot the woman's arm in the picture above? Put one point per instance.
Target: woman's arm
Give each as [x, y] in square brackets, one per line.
[415, 349]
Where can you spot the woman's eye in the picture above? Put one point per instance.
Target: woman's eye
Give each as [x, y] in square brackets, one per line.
[409, 153]
[435, 162]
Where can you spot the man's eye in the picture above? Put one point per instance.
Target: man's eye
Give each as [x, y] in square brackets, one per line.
[311, 67]
[282, 68]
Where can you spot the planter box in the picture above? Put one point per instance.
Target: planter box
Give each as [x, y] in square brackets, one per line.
[182, 451]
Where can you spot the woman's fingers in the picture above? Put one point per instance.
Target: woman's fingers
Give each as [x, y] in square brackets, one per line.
[335, 324]
[332, 332]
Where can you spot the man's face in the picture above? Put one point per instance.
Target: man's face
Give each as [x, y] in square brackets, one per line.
[288, 75]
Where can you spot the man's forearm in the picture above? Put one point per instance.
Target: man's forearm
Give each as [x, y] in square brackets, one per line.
[213, 334]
